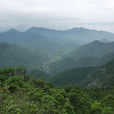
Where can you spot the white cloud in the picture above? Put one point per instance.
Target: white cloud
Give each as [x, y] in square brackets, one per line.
[24, 12]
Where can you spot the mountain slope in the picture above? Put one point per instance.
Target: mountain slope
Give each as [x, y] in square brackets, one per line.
[89, 77]
[14, 55]
[45, 42]
[91, 54]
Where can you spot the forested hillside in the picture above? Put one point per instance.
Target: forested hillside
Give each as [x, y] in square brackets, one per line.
[92, 54]
[23, 94]
[87, 77]
[14, 55]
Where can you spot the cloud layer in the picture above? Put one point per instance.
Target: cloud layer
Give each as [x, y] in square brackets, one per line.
[56, 13]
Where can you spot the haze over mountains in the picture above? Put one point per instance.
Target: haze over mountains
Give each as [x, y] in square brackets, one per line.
[91, 54]
[58, 50]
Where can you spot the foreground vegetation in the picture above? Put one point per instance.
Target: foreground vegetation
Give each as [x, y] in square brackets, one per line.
[22, 94]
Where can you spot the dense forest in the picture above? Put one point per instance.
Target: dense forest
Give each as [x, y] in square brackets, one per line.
[24, 94]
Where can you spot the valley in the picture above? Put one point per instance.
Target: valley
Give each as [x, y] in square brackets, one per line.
[54, 48]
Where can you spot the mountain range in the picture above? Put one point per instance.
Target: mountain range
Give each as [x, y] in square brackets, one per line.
[54, 51]
[92, 54]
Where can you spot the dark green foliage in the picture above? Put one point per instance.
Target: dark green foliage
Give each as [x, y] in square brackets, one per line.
[34, 96]
[19, 95]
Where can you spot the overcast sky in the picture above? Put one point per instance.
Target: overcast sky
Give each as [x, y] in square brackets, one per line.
[58, 14]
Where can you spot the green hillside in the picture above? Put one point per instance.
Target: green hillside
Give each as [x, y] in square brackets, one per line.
[15, 55]
[87, 77]
[92, 54]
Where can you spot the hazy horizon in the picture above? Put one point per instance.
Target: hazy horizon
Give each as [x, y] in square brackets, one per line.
[57, 14]
[22, 29]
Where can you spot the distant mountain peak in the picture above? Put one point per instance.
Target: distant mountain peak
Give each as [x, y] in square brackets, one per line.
[13, 30]
[35, 29]
[79, 29]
